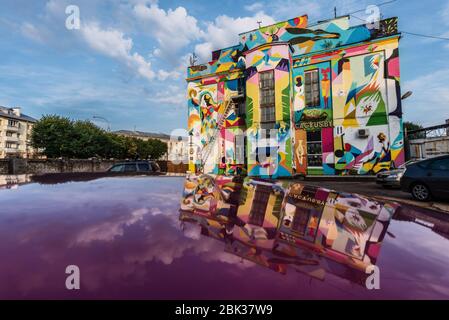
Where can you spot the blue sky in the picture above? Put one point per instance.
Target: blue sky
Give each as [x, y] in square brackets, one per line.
[127, 61]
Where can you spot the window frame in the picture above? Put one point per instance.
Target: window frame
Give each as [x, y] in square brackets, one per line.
[267, 92]
[312, 103]
[148, 167]
[314, 154]
[129, 165]
[258, 209]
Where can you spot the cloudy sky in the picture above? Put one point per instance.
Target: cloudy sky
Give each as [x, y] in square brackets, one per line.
[127, 61]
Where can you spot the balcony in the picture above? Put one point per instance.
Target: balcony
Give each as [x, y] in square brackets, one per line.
[12, 128]
[11, 139]
[12, 150]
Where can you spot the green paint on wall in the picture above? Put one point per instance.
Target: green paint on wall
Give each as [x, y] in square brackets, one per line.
[286, 104]
[249, 111]
[315, 171]
[379, 116]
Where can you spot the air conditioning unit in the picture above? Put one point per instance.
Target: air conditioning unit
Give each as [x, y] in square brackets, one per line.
[363, 133]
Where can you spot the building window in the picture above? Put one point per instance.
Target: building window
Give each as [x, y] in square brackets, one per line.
[259, 206]
[12, 123]
[239, 142]
[10, 145]
[266, 84]
[314, 149]
[312, 88]
[267, 104]
[241, 109]
[268, 115]
[8, 133]
[300, 220]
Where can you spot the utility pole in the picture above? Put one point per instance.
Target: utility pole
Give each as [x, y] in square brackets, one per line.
[335, 12]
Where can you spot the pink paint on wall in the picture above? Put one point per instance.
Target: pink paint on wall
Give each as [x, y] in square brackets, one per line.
[393, 67]
[327, 137]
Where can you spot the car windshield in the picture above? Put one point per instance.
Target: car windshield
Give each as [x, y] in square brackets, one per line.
[130, 167]
[117, 168]
[407, 163]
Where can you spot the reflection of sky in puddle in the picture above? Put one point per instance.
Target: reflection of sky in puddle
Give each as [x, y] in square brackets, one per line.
[125, 236]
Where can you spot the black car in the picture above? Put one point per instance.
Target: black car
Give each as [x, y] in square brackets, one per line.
[136, 167]
[427, 179]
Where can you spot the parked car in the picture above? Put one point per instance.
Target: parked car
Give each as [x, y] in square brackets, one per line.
[427, 179]
[136, 167]
[392, 178]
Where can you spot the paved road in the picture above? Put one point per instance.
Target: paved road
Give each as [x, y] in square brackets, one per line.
[370, 188]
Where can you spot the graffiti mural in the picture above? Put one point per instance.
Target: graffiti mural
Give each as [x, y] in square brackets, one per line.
[335, 91]
[269, 156]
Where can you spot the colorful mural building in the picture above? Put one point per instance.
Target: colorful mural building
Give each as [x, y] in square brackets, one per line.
[295, 98]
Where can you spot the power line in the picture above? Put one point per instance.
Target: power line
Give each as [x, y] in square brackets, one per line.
[425, 36]
[377, 5]
[411, 33]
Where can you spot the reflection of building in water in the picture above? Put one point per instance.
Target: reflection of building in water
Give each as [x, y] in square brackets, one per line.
[13, 181]
[284, 226]
[259, 212]
[211, 197]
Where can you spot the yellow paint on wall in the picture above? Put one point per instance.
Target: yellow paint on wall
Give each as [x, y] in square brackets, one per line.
[280, 84]
[252, 90]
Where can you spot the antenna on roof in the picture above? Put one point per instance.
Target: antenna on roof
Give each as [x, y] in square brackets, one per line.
[193, 59]
[335, 12]
[259, 23]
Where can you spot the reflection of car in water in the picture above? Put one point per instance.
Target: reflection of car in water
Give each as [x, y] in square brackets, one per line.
[285, 226]
[427, 179]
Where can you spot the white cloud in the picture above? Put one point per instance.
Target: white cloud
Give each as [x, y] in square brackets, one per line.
[173, 95]
[172, 29]
[30, 31]
[224, 30]
[287, 9]
[445, 13]
[113, 43]
[254, 7]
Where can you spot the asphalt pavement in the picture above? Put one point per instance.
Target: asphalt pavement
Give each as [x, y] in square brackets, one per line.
[370, 188]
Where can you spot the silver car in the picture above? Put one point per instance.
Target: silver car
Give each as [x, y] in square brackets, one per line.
[392, 178]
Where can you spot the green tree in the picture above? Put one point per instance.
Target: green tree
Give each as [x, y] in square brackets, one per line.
[61, 137]
[54, 135]
[409, 126]
[158, 148]
[89, 140]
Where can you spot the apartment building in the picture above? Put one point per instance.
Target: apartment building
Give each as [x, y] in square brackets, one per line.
[299, 98]
[15, 133]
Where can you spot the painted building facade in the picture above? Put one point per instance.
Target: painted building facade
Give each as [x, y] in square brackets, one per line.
[294, 98]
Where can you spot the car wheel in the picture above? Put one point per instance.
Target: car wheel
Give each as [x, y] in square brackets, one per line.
[421, 192]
